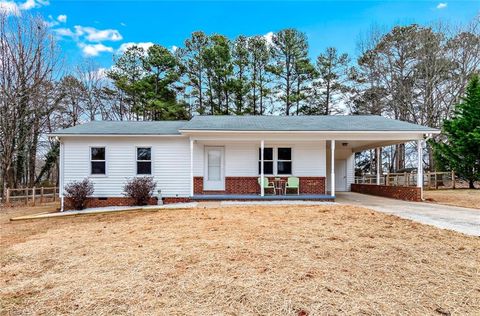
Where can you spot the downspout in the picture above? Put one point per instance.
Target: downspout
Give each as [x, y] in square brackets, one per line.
[61, 177]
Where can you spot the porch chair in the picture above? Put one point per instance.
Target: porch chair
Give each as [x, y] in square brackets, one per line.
[266, 184]
[293, 183]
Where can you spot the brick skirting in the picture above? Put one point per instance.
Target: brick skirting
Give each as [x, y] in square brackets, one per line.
[249, 185]
[124, 201]
[108, 201]
[170, 200]
[401, 193]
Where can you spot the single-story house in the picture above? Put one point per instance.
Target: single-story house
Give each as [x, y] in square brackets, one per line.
[221, 157]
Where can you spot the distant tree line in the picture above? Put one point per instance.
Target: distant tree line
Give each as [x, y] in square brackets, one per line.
[413, 73]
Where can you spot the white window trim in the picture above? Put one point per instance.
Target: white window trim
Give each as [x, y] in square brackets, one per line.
[151, 161]
[265, 160]
[276, 160]
[98, 175]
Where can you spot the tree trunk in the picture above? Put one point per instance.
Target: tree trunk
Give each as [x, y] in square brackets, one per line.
[471, 184]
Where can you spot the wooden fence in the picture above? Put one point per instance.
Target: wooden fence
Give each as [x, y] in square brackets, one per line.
[30, 196]
[431, 180]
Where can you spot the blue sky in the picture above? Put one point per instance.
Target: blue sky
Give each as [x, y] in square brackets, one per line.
[97, 29]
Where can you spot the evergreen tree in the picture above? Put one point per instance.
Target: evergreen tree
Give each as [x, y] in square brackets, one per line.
[259, 60]
[289, 50]
[461, 149]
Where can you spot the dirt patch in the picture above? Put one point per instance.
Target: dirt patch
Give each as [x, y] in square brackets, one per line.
[460, 197]
[276, 260]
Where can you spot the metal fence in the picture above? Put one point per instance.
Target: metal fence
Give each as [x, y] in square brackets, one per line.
[30, 196]
[431, 180]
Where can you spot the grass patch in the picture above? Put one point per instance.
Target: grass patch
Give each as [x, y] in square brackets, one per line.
[459, 197]
[278, 260]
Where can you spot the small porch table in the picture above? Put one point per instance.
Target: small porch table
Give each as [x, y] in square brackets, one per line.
[279, 186]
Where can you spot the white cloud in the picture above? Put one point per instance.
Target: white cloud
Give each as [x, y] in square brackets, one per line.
[173, 49]
[87, 33]
[14, 8]
[30, 4]
[123, 24]
[269, 38]
[64, 32]
[9, 8]
[125, 46]
[442, 5]
[94, 35]
[94, 49]
[62, 18]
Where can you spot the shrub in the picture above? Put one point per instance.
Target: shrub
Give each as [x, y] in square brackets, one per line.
[140, 189]
[78, 191]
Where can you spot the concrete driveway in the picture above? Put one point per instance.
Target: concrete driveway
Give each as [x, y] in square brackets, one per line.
[460, 219]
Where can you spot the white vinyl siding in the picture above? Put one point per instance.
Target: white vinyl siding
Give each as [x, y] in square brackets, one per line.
[170, 163]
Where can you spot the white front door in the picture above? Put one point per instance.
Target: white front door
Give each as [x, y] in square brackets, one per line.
[214, 177]
[340, 175]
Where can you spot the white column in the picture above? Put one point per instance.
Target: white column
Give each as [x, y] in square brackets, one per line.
[262, 176]
[378, 151]
[420, 165]
[332, 167]
[191, 168]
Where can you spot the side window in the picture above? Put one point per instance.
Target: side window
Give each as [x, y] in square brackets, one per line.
[284, 160]
[267, 161]
[144, 160]
[97, 160]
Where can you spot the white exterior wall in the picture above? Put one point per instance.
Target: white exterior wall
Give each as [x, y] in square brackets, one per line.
[241, 158]
[170, 163]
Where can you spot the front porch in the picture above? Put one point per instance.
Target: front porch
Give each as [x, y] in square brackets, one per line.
[230, 166]
[256, 197]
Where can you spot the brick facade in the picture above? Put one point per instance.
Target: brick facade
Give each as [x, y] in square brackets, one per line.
[249, 185]
[401, 193]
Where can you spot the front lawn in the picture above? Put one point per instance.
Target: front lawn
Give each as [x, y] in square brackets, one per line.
[459, 197]
[276, 260]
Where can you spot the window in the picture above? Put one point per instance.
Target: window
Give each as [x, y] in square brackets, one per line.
[267, 161]
[97, 160]
[144, 160]
[284, 160]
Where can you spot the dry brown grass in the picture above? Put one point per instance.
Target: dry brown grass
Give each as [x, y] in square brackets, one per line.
[240, 260]
[460, 197]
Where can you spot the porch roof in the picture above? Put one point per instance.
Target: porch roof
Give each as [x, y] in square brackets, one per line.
[330, 123]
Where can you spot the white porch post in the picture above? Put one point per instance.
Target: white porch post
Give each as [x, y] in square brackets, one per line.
[191, 168]
[332, 167]
[420, 165]
[262, 176]
[378, 151]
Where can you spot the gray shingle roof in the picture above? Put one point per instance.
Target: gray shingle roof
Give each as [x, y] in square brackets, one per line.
[124, 128]
[302, 123]
[351, 123]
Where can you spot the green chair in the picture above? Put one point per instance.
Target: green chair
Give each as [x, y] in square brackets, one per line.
[293, 183]
[266, 184]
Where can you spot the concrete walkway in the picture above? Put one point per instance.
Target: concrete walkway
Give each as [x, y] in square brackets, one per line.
[460, 219]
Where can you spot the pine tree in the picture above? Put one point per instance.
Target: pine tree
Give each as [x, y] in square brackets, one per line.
[461, 149]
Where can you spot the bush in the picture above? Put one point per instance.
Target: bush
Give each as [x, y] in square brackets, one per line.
[78, 191]
[140, 189]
